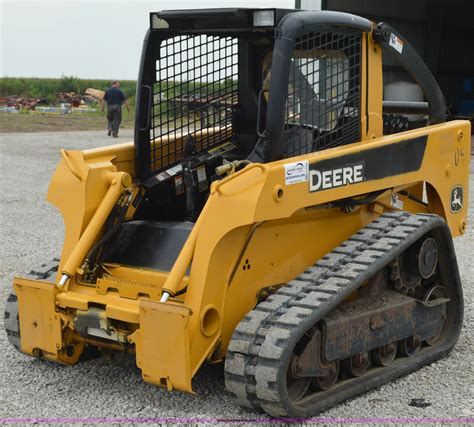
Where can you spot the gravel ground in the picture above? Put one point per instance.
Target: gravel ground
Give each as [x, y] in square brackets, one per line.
[31, 232]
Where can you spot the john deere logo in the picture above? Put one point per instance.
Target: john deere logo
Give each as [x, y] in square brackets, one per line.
[457, 198]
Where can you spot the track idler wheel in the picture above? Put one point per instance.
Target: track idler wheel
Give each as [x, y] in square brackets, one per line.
[357, 365]
[385, 355]
[421, 259]
[427, 258]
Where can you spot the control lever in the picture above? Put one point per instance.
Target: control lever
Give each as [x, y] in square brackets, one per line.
[190, 183]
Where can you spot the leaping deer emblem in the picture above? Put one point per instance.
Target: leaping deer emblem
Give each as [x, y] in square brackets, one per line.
[456, 202]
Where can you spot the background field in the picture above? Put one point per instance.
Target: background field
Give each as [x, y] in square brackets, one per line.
[47, 89]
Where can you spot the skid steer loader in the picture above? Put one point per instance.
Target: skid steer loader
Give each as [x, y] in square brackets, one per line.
[262, 217]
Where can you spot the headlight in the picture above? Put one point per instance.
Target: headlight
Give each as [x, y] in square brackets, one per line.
[158, 23]
[264, 18]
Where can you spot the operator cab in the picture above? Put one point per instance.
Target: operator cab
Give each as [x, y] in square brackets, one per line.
[214, 88]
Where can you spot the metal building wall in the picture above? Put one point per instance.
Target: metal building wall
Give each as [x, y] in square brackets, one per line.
[441, 30]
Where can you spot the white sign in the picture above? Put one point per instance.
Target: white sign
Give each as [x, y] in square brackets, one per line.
[396, 43]
[296, 172]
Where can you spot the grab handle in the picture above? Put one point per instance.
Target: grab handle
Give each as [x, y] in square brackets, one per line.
[145, 107]
[217, 187]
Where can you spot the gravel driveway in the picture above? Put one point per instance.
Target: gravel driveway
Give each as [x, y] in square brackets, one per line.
[31, 233]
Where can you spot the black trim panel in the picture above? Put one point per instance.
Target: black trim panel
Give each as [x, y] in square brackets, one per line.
[368, 165]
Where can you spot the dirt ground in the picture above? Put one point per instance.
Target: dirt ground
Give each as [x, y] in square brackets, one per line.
[34, 122]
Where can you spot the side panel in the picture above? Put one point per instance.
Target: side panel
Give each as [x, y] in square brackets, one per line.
[278, 251]
[260, 195]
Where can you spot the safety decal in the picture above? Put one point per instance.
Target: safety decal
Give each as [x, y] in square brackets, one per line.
[457, 196]
[169, 172]
[396, 202]
[179, 185]
[396, 42]
[296, 172]
[201, 178]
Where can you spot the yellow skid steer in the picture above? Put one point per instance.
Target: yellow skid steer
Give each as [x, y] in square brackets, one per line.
[265, 216]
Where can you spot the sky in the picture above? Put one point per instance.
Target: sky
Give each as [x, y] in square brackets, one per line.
[86, 39]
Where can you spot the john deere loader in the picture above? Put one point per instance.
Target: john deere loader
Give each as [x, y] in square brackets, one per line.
[273, 213]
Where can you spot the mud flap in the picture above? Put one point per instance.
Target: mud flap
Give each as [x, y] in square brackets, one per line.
[40, 325]
[162, 345]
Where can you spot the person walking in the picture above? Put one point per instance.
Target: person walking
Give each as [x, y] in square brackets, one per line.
[114, 97]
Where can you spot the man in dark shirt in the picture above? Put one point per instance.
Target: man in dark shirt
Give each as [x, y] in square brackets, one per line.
[114, 98]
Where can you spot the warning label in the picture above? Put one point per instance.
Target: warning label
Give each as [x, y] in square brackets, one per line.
[396, 43]
[202, 178]
[169, 172]
[396, 202]
[296, 172]
[179, 185]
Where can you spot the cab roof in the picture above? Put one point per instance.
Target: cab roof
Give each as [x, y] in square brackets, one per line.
[213, 19]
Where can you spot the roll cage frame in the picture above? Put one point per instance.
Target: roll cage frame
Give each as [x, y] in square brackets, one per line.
[288, 24]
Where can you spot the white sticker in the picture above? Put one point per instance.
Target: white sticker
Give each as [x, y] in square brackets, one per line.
[201, 173]
[396, 42]
[202, 178]
[174, 170]
[296, 172]
[162, 176]
[169, 172]
[396, 202]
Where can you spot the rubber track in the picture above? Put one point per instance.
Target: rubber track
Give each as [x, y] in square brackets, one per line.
[263, 340]
[11, 316]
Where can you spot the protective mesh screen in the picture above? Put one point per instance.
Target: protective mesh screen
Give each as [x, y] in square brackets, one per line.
[323, 107]
[194, 94]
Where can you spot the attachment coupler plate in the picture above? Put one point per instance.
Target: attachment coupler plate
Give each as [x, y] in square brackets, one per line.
[162, 345]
